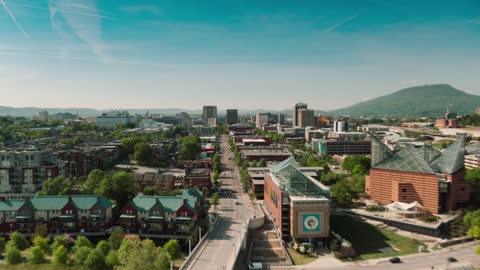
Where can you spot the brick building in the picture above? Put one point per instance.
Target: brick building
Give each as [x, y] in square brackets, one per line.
[434, 179]
[298, 204]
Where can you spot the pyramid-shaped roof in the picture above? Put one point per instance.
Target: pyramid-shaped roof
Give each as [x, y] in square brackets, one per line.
[425, 159]
[380, 151]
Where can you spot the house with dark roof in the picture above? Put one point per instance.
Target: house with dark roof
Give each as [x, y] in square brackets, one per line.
[433, 178]
[61, 214]
[170, 215]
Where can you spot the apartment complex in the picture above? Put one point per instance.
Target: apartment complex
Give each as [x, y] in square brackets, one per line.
[337, 147]
[184, 120]
[432, 178]
[472, 161]
[24, 170]
[298, 204]
[112, 120]
[163, 214]
[61, 214]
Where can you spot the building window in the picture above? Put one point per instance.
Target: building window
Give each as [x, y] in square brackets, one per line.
[463, 189]
[404, 190]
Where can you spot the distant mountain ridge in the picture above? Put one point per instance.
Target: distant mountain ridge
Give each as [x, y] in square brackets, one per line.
[426, 100]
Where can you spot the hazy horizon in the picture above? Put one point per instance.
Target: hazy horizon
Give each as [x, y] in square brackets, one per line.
[249, 54]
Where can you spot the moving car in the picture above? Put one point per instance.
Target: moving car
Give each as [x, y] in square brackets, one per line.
[452, 259]
[395, 260]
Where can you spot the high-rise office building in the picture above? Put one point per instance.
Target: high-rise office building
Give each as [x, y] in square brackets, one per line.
[209, 112]
[281, 119]
[261, 119]
[232, 116]
[184, 120]
[296, 108]
[306, 118]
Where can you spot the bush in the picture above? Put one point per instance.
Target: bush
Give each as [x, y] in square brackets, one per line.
[42, 243]
[112, 259]
[375, 208]
[81, 255]
[429, 219]
[95, 260]
[18, 240]
[13, 255]
[82, 241]
[103, 247]
[115, 238]
[2, 245]
[37, 256]
[347, 252]
[60, 256]
[172, 248]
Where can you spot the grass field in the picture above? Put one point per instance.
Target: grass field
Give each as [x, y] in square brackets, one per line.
[368, 240]
[300, 259]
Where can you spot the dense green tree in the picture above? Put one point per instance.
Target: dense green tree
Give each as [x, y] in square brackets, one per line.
[342, 193]
[358, 170]
[94, 180]
[95, 260]
[104, 247]
[82, 241]
[262, 163]
[119, 187]
[55, 186]
[190, 148]
[13, 255]
[137, 254]
[60, 256]
[172, 248]
[472, 221]
[149, 191]
[331, 178]
[42, 243]
[81, 254]
[143, 153]
[128, 145]
[171, 148]
[358, 183]
[112, 259]
[60, 240]
[18, 240]
[116, 237]
[473, 176]
[162, 261]
[350, 162]
[215, 199]
[37, 255]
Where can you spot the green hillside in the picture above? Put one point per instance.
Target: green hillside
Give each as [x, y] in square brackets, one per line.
[426, 100]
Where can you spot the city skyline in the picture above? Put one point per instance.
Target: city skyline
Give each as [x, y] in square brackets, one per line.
[140, 54]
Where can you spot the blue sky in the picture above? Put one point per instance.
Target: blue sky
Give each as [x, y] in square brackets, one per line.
[239, 54]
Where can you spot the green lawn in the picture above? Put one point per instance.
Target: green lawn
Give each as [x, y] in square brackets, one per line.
[368, 239]
[300, 259]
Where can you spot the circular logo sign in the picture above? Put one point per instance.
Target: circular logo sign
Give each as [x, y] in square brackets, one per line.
[311, 222]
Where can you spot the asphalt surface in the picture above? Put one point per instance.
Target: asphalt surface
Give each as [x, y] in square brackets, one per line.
[466, 256]
[223, 243]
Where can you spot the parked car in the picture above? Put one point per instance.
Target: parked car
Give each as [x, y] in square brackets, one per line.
[395, 260]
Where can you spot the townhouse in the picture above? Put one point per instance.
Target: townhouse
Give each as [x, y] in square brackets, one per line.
[61, 214]
[172, 215]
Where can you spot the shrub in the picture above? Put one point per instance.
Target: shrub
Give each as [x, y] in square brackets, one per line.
[103, 247]
[18, 240]
[82, 241]
[2, 245]
[95, 260]
[37, 256]
[112, 259]
[60, 256]
[42, 243]
[81, 255]
[13, 255]
[375, 208]
[429, 219]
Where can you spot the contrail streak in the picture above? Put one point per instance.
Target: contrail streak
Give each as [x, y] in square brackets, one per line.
[13, 18]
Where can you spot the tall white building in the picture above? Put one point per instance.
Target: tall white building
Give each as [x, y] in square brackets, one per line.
[340, 126]
[111, 120]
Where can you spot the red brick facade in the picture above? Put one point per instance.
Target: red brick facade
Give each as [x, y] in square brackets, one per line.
[273, 201]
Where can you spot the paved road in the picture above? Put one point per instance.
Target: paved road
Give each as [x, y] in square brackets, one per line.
[466, 257]
[223, 243]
